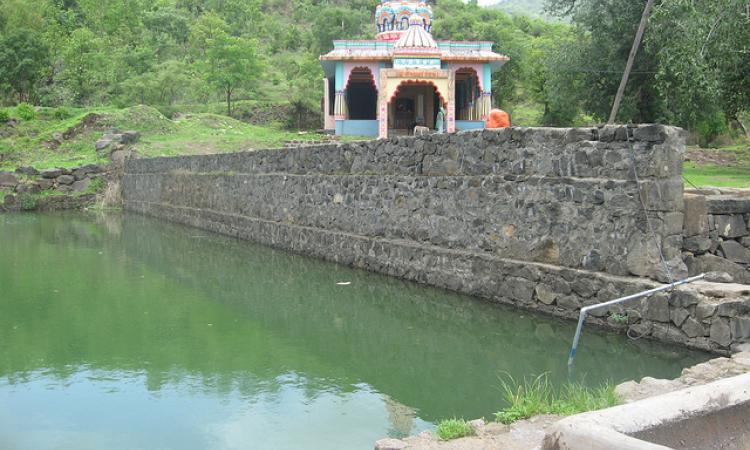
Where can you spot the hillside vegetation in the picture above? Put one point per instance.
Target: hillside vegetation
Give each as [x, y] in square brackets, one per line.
[51, 141]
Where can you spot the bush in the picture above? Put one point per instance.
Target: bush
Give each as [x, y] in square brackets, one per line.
[28, 202]
[711, 127]
[453, 429]
[4, 116]
[25, 111]
[62, 113]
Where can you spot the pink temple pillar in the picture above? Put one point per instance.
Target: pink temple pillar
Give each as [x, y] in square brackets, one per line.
[382, 118]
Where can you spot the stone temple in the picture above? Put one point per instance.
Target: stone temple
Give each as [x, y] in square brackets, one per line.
[400, 79]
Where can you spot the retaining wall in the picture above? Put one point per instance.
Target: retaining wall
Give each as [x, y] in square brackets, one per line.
[546, 219]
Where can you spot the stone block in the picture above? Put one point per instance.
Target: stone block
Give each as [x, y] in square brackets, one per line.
[712, 263]
[27, 170]
[51, 173]
[697, 244]
[678, 316]
[28, 188]
[66, 179]
[720, 332]
[705, 310]
[722, 204]
[520, 289]
[650, 133]
[696, 215]
[545, 294]
[45, 183]
[569, 302]
[81, 185]
[656, 308]
[735, 252]
[740, 327]
[731, 226]
[693, 328]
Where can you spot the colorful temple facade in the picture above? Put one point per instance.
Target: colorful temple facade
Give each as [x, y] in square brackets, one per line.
[403, 78]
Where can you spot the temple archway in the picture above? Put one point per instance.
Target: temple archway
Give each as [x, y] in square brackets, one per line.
[361, 95]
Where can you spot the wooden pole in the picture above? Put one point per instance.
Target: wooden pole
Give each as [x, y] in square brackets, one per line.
[631, 60]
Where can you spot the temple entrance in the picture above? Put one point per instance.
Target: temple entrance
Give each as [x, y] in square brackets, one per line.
[414, 104]
[362, 97]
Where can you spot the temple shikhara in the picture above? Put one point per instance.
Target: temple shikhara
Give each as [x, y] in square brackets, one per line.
[405, 78]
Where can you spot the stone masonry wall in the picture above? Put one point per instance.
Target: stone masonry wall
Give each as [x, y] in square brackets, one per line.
[545, 219]
[717, 233]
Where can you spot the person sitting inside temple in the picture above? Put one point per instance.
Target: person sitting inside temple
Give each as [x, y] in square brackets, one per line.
[498, 119]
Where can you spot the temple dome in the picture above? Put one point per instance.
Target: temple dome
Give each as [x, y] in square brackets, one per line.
[416, 38]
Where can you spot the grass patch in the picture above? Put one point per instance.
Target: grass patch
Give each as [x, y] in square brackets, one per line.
[537, 396]
[453, 429]
[727, 166]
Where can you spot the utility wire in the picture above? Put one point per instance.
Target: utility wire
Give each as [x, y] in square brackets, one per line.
[645, 209]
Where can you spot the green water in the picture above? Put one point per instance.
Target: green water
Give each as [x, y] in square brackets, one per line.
[123, 332]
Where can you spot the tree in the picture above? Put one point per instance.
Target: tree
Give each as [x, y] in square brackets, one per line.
[231, 63]
[24, 58]
[704, 54]
[83, 64]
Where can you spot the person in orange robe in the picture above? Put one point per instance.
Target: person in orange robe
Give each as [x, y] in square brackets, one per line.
[498, 119]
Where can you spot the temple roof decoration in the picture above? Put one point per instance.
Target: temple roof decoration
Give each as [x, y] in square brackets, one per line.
[392, 19]
[416, 39]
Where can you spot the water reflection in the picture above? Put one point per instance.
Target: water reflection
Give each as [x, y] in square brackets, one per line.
[111, 322]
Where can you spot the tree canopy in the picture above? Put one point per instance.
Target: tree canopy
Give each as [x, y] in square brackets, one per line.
[693, 69]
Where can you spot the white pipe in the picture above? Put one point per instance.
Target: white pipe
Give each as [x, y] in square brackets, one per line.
[585, 310]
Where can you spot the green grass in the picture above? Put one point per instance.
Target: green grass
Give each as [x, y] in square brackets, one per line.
[537, 396]
[29, 142]
[453, 429]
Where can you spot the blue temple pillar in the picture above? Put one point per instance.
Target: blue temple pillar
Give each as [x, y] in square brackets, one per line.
[486, 104]
[339, 109]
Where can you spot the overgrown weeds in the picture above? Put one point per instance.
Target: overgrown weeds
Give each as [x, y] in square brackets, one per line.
[535, 396]
[453, 429]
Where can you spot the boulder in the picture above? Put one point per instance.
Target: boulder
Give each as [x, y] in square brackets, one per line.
[66, 179]
[7, 179]
[735, 252]
[27, 170]
[51, 173]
